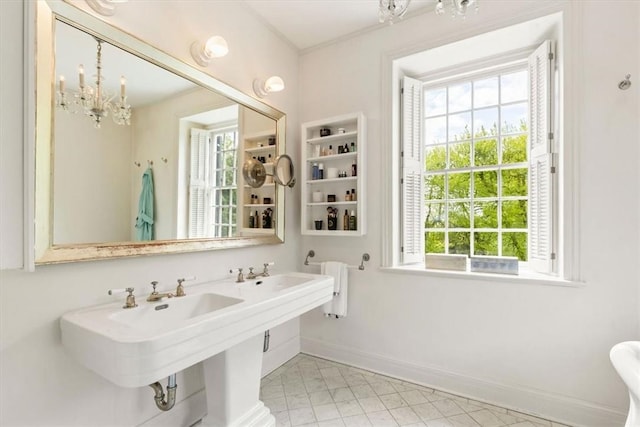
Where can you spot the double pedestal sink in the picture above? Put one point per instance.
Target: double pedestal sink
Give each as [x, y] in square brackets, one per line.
[218, 323]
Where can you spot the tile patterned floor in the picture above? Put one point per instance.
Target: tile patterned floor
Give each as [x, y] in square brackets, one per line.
[309, 391]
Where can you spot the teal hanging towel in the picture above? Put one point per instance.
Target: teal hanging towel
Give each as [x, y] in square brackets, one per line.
[144, 221]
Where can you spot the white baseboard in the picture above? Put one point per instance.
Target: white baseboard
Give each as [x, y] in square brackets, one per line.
[545, 405]
[277, 356]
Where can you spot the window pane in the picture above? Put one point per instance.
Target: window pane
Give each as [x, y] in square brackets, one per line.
[515, 244]
[514, 118]
[485, 214]
[459, 242]
[434, 242]
[514, 86]
[485, 122]
[459, 185]
[435, 158]
[434, 215]
[435, 102]
[485, 183]
[459, 215]
[514, 149]
[434, 187]
[229, 177]
[460, 155]
[485, 243]
[485, 152]
[226, 218]
[514, 182]
[485, 92]
[460, 97]
[435, 130]
[514, 214]
[224, 231]
[459, 126]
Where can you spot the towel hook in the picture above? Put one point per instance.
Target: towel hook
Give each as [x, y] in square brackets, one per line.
[626, 83]
[365, 257]
[137, 164]
[311, 254]
[164, 159]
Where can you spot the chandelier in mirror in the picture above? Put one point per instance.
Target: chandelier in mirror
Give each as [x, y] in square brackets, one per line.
[95, 102]
[457, 7]
[390, 10]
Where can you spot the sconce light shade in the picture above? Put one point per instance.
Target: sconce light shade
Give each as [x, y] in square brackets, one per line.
[104, 7]
[215, 47]
[263, 87]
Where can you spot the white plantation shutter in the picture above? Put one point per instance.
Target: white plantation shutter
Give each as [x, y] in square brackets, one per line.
[542, 176]
[412, 245]
[199, 177]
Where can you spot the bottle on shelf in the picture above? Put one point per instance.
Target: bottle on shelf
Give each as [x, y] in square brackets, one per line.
[345, 220]
[353, 147]
[353, 224]
[252, 221]
[256, 221]
[330, 152]
[354, 169]
[314, 171]
[321, 171]
[345, 149]
[353, 195]
[347, 197]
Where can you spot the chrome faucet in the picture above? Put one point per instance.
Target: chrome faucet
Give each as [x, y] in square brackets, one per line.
[240, 277]
[180, 288]
[130, 301]
[156, 296]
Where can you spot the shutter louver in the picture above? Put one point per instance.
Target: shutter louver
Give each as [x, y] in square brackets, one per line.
[198, 183]
[412, 172]
[542, 182]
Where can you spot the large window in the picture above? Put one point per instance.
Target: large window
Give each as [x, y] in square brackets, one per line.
[475, 168]
[478, 171]
[213, 186]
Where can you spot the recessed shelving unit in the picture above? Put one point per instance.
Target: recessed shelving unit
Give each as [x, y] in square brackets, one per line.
[329, 152]
[256, 145]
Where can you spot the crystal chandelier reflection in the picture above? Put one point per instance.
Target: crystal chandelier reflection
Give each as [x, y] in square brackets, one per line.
[457, 7]
[391, 10]
[95, 102]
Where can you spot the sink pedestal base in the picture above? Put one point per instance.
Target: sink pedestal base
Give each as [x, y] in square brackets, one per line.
[232, 383]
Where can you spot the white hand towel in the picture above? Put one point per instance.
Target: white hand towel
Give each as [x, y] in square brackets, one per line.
[338, 305]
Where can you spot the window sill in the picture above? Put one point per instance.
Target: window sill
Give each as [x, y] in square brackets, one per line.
[525, 277]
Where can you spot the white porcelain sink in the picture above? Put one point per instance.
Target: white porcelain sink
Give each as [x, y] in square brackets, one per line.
[136, 347]
[172, 313]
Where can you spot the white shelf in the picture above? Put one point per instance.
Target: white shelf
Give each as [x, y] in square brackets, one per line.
[327, 181]
[355, 127]
[265, 231]
[332, 138]
[334, 157]
[260, 149]
[259, 205]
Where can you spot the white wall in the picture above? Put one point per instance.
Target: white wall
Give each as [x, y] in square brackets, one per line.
[40, 385]
[91, 180]
[539, 348]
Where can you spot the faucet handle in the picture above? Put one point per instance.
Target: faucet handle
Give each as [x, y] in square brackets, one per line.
[130, 302]
[180, 289]
[265, 272]
[154, 284]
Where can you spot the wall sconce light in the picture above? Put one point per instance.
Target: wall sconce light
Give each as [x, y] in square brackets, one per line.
[264, 87]
[215, 47]
[104, 7]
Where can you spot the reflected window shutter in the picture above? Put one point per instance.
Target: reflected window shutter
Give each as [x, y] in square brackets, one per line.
[412, 172]
[198, 179]
[542, 172]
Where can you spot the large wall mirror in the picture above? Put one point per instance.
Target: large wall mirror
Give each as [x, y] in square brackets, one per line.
[156, 167]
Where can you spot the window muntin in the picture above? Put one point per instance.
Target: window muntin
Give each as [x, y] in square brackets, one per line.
[476, 165]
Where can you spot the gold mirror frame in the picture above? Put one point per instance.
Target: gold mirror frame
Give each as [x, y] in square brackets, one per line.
[47, 12]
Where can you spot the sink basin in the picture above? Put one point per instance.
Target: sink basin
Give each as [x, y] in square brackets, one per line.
[174, 311]
[136, 347]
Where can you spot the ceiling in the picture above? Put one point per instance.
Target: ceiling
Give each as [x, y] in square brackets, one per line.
[309, 23]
